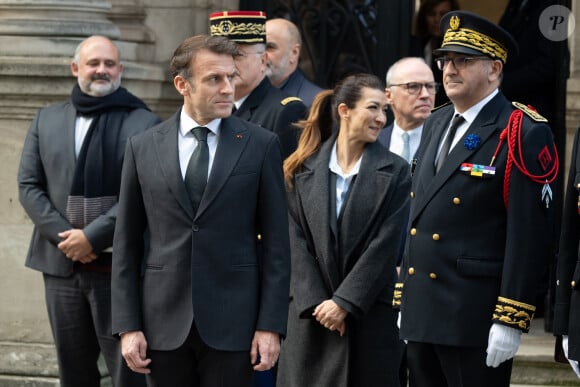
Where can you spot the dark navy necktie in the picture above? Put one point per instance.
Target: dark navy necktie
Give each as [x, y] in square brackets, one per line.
[446, 147]
[197, 168]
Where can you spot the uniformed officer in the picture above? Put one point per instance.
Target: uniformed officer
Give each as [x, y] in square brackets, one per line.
[567, 307]
[256, 100]
[283, 49]
[480, 228]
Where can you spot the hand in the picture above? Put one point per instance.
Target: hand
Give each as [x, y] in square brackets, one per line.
[331, 316]
[503, 343]
[75, 245]
[573, 363]
[266, 346]
[89, 258]
[134, 350]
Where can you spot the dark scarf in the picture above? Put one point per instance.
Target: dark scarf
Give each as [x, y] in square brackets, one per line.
[97, 174]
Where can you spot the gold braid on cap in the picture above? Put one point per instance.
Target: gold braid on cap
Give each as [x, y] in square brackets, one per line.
[476, 40]
[229, 29]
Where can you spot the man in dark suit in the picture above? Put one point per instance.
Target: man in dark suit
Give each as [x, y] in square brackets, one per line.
[410, 92]
[283, 48]
[256, 100]
[481, 218]
[195, 306]
[68, 182]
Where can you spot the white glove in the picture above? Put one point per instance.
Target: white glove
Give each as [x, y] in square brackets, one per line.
[573, 363]
[399, 325]
[503, 343]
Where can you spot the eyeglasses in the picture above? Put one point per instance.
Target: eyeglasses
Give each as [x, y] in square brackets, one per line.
[459, 62]
[416, 87]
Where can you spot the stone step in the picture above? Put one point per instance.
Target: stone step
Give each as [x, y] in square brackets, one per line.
[534, 363]
[33, 365]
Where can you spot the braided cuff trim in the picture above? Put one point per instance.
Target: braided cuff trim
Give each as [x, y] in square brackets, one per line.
[513, 313]
[397, 294]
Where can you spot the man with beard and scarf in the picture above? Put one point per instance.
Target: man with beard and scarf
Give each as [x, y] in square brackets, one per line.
[68, 182]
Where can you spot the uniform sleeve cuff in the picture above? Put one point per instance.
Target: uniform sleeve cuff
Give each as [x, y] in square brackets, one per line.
[397, 294]
[513, 313]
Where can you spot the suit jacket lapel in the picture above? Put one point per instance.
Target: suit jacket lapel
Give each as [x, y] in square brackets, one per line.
[484, 125]
[70, 119]
[312, 186]
[168, 156]
[232, 141]
[430, 139]
[368, 194]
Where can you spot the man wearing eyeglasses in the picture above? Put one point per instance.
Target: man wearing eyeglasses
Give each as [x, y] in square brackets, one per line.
[482, 216]
[410, 93]
[256, 100]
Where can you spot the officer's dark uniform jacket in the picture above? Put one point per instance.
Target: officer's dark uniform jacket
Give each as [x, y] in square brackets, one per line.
[275, 110]
[469, 261]
[567, 307]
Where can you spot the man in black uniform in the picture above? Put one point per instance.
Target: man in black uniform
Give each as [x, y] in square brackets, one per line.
[481, 218]
[256, 100]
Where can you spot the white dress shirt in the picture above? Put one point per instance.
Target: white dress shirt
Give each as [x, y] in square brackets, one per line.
[187, 143]
[342, 179]
[396, 144]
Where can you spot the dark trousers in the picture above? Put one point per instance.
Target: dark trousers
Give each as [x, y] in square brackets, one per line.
[194, 364]
[432, 365]
[79, 310]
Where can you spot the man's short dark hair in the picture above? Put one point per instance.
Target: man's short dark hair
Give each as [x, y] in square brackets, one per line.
[188, 49]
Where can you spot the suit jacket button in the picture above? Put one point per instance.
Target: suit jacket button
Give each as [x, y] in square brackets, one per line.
[456, 201]
[432, 275]
[195, 227]
[435, 237]
[413, 231]
[411, 271]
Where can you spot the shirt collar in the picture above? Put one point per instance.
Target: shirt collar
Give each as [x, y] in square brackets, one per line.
[415, 132]
[334, 167]
[186, 123]
[471, 113]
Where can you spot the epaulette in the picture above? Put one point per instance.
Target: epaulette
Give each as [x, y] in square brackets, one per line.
[440, 106]
[530, 112]
[287, 100]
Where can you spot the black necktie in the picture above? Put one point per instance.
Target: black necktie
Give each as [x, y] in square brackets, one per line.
[455, 122]
[196, 174]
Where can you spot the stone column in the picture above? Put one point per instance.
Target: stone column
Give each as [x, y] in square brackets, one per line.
[49, 27]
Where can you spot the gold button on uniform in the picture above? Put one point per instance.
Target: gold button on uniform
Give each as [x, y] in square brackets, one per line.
[573, 284]
[435, 237]
[432, 275]
[413, 231]
[412, 195]
[411, 271]
[456, 201]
